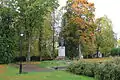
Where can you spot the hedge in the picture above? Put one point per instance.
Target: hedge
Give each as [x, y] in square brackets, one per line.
[109, 70]
[115, 52]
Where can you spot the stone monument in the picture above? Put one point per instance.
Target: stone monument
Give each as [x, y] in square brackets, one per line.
[61, 50]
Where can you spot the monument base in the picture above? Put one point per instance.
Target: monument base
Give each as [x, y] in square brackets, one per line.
[61, 53]
[60, 58]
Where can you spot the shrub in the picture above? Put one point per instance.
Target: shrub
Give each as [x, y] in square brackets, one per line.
[115, 52]
[22, 58]
[109, 70]
[116, 60]
[35, 58]
[82, 68]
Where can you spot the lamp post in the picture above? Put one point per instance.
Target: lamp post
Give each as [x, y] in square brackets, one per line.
[20, 68]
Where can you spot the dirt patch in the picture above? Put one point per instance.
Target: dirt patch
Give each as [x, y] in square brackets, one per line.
[2, 69]
[1, 66]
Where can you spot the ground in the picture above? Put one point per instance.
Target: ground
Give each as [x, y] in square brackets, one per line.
[10, 72]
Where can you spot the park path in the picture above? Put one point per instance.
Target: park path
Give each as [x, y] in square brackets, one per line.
[34, 68]
[28, 67]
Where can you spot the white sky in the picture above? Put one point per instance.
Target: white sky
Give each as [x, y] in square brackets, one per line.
[111, 8]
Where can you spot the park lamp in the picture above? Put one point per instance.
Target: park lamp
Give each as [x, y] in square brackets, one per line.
[20, 68]
[21, 34]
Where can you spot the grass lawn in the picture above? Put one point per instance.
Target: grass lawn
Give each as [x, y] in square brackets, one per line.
[98, 59]
[49, 64]
[10, 73]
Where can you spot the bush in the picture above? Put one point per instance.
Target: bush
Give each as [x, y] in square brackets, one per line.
[82, 68]
[35, 58]
[109, 70]
[115, 52]
[17, 59]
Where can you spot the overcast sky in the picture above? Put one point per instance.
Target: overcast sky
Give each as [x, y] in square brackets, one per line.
[111, 8]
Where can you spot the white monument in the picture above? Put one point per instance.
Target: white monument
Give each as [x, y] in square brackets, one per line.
[61, 50]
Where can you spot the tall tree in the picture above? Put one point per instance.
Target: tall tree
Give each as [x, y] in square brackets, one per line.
[8, 37]
[31, 16]
[105, 37]
[118, 42]
[23, 15]
[45, 39]
[79, 24]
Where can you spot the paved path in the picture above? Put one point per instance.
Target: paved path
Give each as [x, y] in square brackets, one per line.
[32, 68]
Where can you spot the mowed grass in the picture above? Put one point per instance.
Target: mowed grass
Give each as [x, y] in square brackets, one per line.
[98, 59]
[49, 64]
[10, 73]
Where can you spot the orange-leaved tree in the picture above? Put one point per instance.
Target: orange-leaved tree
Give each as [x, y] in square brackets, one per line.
[79, 26]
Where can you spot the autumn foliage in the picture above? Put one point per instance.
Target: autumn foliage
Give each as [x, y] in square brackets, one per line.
[83, 17]
[80, 25]
[82, 6]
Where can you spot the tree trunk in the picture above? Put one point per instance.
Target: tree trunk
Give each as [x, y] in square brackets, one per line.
[97, 52]
[53, 42]
[50, 53]
[39, 44]
[29, 49]
[80, 54]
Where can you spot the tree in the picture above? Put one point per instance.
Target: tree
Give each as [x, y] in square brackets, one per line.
[78, 25]
[8, 37]
[26, 16]
[45, 38]
[31, 17]
[105, 37]
[118, 42]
